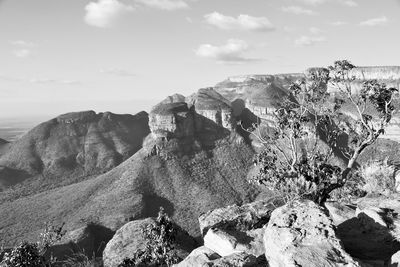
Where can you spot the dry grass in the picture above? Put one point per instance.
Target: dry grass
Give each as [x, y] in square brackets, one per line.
[379, 177]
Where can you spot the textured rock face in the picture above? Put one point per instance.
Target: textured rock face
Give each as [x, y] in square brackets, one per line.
[235, 229]
[171, 120]
[201, 256]
[226, 242]
[257, 93]
[371, 234]
[205, 114]
[340, 212]
[251, 215]
[303, 235]
[126, 241]
[210, 105]
[204, 257]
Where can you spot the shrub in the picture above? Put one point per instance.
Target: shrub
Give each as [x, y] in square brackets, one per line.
[159, 247]
[33, 254]
[379, 177]
[24, 255]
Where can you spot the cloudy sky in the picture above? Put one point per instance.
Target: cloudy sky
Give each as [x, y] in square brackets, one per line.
[125, 55]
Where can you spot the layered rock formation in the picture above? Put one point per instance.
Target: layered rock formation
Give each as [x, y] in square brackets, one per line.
[171, 120]
[205, 116]
[260, 94]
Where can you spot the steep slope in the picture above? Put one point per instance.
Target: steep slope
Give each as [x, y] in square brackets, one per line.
[75, 145]
[259, 94]
[3, 145]
[178, 168]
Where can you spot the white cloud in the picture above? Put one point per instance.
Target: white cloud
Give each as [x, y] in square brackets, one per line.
[242, 22]
[375, 21]
[22, 43]
[315, 30]
[22, 53]
[297, 10]
[118, 72]
[52, 81]
[349, 3]
[104, 13]
[312, 2]
[338, 23]
[164, 4]
[231, 52]
[309, 40]
[22, 49]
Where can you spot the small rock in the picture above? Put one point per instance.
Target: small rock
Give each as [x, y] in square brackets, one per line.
[246, 217]
[199, 257]
[340, 212]
[395, 260]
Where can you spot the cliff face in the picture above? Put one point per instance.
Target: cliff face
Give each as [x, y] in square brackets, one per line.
[257, 93]
[213, 107]
[389, 75]
[260, 94]
[205, 114]
[171, 120]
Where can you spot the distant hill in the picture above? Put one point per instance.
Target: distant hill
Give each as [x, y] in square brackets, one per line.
[75, 145]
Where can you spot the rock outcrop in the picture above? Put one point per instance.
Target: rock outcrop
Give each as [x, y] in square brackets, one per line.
[236, 229]
[205, 116]
[171, 120]
[204, 257]
[210, 105]
[129, 239]
[302, 234]
[259, 94]
[126, 241]
[371, 234]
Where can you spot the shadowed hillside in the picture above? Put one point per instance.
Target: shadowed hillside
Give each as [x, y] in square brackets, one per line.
[75, 145]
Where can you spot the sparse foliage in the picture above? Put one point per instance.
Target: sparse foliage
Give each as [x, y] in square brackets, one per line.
[294, 161]
[33, 254]
[159, 247]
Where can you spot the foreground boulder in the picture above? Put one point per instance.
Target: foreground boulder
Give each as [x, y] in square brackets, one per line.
[129, 239]
[205, 257]
[370, 235]
[303, 234]
[236, 229]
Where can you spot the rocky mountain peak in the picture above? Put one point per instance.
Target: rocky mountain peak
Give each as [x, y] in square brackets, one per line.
[198, 114]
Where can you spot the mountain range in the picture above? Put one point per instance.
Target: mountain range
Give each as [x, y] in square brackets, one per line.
[188, 155]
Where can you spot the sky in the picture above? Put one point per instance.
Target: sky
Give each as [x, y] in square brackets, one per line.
[124, 56]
